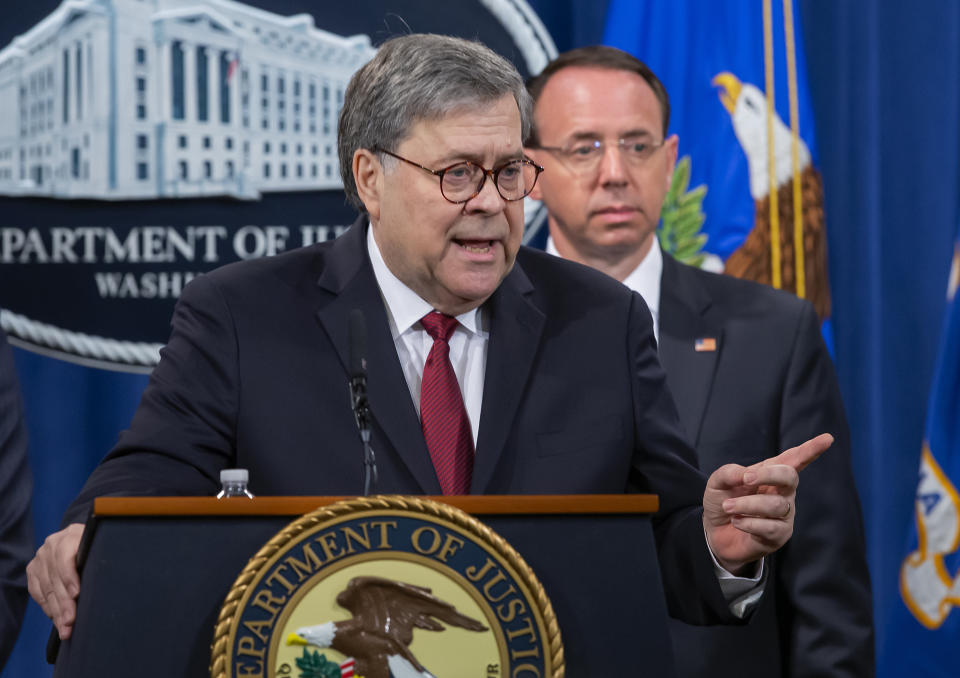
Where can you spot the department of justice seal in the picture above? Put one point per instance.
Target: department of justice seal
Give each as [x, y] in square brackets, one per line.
[387, 587]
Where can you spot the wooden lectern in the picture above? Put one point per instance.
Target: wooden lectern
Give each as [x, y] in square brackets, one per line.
[155, 572]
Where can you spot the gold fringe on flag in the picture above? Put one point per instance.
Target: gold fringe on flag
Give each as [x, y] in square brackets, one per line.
[798, 247]
[771, 150]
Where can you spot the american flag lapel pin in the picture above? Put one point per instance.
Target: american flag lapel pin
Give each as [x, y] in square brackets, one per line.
[705, 344]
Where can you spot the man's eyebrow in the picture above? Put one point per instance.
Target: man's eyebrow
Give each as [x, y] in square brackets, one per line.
[590, 136]
[509, 157]
[477, 158]
[584, 136]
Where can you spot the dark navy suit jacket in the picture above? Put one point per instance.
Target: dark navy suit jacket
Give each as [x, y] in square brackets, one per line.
[16, 529]
[768, 386]
[575, 401]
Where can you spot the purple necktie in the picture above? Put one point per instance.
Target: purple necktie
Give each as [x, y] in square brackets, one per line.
[443, 417]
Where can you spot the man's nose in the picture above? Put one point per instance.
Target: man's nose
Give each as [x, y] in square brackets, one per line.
[613, 170]
[487, 200]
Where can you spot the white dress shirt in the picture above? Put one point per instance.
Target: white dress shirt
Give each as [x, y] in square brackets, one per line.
[468, 343]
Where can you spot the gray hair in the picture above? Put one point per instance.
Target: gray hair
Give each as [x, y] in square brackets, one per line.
[419, 77]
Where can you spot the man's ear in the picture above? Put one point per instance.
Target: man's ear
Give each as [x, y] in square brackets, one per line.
[368, 176]
[535, 194]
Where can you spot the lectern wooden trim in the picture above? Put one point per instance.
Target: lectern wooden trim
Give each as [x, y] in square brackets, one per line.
[478, 505]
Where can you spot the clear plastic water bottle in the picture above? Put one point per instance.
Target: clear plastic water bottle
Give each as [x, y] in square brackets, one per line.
[233, 483]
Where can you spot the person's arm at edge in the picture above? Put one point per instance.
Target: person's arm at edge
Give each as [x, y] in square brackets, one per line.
[16, 528]
[180, 437]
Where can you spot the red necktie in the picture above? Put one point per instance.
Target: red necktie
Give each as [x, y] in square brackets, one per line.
[443, 417]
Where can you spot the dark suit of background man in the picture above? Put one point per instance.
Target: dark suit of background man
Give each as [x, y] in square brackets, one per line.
[16, 530]
[761, 380]
[557, 387]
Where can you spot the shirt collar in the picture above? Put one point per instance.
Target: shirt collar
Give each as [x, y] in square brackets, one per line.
[404, 306]
[644, 279]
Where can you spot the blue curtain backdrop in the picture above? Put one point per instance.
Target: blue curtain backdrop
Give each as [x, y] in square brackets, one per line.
[884, 83]
[884, 78]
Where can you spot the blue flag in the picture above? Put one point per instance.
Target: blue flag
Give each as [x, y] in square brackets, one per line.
[925, 629]
[718, 62]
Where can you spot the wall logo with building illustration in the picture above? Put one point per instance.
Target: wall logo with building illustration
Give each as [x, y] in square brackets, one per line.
[143, 142]
[130, 99]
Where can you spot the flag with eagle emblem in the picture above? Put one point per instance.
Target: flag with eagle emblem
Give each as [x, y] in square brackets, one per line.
[925, 628]
[755, 154]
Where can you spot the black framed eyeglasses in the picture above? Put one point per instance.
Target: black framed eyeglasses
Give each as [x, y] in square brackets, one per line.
[584, 155]
[463, 181]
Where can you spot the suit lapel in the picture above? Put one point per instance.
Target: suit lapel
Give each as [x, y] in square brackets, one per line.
[684, 318]
[515, 329]
[348, 283]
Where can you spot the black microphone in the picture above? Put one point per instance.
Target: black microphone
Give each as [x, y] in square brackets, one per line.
[358, 394]
[358, 345]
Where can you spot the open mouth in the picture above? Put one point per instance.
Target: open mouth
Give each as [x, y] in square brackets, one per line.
[475, 246]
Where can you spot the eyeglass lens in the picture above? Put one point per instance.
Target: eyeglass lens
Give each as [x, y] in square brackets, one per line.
[586, 154]
[513, 180]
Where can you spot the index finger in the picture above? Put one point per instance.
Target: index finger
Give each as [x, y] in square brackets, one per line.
[64, 557]
[65, 569]
[802, 455]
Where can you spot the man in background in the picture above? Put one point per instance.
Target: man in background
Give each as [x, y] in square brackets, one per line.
[745, 363]
[16, 530]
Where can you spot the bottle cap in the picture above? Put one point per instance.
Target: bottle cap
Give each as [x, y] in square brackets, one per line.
[234, 475]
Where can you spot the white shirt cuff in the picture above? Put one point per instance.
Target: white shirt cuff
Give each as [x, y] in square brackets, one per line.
[741, 593]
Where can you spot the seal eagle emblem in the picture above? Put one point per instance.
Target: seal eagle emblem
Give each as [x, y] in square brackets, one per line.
[385, 613]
